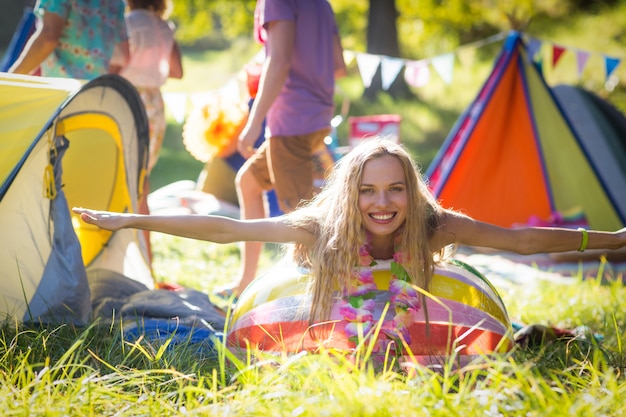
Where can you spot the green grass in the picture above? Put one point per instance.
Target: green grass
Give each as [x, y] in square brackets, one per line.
[65, 370]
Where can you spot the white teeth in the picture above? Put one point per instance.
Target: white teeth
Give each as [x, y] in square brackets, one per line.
[381, 216]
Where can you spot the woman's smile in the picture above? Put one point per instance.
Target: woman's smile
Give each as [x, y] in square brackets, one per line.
[382, 218]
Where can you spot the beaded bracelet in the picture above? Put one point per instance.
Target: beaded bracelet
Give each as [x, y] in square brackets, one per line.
[583, 243]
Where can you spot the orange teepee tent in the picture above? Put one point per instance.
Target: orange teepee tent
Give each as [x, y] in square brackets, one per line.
[514, 158]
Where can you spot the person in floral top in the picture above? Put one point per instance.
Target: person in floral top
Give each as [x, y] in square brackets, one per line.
[74, 38]
[374, 206]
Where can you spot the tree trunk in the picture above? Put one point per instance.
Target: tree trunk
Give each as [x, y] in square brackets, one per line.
[382, 39]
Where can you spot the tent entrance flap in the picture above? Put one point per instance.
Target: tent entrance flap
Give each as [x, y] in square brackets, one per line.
[95, 174]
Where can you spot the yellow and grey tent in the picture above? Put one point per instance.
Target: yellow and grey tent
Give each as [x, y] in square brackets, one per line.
[67, 143]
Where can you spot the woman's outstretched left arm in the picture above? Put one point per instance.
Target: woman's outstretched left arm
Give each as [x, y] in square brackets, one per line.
[216, 229]
[459, 229]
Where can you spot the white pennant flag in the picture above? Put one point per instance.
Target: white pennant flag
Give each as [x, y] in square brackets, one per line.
[389, 70]
[177, 105]
[368, 64]
[348, 56]
[444, 65]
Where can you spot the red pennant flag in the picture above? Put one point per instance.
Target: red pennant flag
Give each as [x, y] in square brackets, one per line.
[557, 51]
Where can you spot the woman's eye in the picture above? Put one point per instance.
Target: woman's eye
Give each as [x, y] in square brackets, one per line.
[397, 189]
[366, 191]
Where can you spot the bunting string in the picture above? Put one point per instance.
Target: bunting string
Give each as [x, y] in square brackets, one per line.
[417, 73]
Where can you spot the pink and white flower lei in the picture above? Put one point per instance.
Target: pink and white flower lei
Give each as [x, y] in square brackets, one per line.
[358, 304]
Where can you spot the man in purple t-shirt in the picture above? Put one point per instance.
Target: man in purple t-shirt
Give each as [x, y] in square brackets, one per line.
[303, 58]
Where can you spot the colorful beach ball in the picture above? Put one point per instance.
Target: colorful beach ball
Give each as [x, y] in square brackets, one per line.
[463, 317]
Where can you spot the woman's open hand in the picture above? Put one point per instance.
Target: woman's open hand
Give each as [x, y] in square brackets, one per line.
[103, 219]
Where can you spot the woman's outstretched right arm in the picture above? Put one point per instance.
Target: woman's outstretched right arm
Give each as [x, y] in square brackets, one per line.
[216, 229]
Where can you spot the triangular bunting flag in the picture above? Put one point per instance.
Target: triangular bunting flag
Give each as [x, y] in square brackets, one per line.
[389, 70]
[177, 105]
[368, 64]
[417, 73]
[610, 64]
[581, 62]
[348, 56]
[200, 99]
[444, 65]
[557, 52]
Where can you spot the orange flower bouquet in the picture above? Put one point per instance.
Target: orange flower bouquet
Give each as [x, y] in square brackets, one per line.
[212, 128]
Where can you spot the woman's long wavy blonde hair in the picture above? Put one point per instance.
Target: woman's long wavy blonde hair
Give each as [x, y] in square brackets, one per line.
[334, 217]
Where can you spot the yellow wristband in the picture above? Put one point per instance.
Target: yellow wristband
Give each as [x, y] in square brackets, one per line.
[583, 243]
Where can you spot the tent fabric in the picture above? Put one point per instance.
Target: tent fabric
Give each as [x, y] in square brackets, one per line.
[513, 157]
[64, 257]
[593, 118]
[67, 143]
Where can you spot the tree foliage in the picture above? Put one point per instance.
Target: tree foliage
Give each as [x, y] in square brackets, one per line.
[424, 27]
[430, 27]
[221, 20]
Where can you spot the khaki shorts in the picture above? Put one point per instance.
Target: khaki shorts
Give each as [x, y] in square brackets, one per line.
[284, 163]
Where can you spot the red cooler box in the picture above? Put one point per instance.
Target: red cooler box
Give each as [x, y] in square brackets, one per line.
[367, 127]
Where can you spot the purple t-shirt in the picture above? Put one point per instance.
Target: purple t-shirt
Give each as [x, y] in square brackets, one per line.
[305, 104]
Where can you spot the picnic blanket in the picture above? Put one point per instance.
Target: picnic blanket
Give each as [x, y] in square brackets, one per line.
[176, 315]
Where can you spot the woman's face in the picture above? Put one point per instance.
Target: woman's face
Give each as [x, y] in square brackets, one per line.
[383, 196]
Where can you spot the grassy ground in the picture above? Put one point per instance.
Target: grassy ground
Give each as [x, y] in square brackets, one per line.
[92, 371]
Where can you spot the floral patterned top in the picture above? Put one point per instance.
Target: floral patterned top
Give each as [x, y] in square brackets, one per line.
[92, 29]
[358, 304]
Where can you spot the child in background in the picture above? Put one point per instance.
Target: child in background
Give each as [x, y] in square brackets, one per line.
[154, 57]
